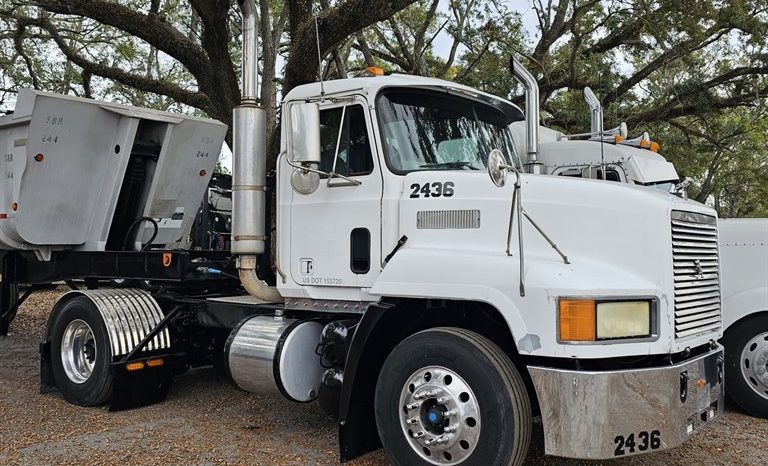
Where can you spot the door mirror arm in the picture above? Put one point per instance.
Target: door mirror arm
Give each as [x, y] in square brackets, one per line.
[307, 167]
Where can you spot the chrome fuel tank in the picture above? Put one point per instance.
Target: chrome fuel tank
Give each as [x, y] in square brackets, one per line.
[275, 354]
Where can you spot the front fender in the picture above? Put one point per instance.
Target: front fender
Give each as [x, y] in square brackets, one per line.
[493, 277]
[456, 275]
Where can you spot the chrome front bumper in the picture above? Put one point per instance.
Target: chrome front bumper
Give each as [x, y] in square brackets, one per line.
[602, 415]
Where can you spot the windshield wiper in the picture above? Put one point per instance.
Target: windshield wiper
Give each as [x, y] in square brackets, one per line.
[449, 165]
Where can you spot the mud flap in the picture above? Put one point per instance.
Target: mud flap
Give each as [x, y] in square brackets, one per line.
[47, 384]
[150, 385]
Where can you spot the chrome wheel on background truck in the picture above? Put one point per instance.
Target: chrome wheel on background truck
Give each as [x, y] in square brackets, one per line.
[450, 396]
[746, 361]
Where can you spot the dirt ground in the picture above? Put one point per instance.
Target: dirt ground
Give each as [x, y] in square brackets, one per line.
[206, 421]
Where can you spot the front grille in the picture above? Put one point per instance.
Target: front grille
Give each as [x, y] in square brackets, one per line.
[697, 274]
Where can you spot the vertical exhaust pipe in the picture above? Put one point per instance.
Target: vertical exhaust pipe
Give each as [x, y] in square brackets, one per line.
[249, 171]
[249, 60]
[596, 112]
[525, 78]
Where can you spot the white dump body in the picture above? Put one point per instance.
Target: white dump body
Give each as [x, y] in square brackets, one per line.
[66, 161]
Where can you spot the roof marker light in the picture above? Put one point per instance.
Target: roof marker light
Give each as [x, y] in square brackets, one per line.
[375, 71]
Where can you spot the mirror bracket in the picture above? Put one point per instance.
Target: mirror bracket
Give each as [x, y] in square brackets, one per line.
[306, 168]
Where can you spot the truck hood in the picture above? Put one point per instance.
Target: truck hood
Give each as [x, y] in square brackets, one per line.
[617, 238]
[476, 213]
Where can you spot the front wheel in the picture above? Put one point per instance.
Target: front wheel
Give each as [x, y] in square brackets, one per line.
[746, 362]
[450, 396]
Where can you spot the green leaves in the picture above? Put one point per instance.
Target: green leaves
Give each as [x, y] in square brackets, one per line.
[693, 73]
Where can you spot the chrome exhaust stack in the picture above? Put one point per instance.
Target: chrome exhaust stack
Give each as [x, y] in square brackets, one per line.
[596, 112]
[249, 171]
[532, 164]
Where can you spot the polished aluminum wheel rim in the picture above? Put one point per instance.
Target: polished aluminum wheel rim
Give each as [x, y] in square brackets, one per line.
[439, 415]
[754, 364]
[78, 351]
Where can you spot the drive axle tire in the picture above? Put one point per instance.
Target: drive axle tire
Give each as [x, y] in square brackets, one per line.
[450, 396]
[746, 364]
[81, 353]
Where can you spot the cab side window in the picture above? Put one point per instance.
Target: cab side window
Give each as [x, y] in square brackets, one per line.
[590, 172]
[354, 156]
[611, 175]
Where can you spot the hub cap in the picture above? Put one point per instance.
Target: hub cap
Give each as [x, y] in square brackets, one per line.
[439, 415]
[754, 364]
[78, 351]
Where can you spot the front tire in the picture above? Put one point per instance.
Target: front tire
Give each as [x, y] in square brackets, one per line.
[81, 353]
[451, 396]
[746, 362]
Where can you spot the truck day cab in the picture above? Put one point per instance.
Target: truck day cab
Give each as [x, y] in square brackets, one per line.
[431, 307]
[742, 243]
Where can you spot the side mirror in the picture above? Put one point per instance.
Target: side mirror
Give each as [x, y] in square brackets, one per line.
[497, 168]
[304, 145]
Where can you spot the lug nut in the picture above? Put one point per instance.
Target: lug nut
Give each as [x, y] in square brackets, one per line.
[450, 413]
[443, 400]
[439, 440]
[427, 394]
[418, 434]
[412, 406]
[450, 429]
[412, 420]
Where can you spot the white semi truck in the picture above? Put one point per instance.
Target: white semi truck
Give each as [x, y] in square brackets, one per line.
[432, 308]
[742, 243]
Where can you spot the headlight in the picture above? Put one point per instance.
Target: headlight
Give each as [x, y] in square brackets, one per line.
[583, 320]
[623, 319]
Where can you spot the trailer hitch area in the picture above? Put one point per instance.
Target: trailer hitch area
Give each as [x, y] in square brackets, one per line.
[143, 382]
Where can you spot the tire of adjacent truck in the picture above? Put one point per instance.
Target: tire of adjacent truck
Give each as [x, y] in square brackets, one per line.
[488, 385]
[745, 383]
[81, 353]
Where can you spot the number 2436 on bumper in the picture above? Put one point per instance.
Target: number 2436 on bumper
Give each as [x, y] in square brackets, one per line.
[645, 441]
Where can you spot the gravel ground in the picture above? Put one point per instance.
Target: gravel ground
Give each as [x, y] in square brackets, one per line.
[206, 421]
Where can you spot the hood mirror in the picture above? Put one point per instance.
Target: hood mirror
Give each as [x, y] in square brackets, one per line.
[497, 168]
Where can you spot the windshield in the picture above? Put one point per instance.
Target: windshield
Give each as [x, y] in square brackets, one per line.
[424, 130]
[666, 186]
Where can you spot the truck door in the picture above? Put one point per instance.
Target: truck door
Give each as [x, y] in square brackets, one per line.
[335, 231]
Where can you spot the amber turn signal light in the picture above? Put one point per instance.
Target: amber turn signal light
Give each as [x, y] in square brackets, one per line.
[577, 320]
[134, 366]
[155, 362]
